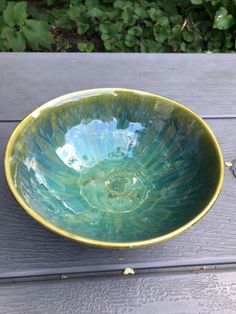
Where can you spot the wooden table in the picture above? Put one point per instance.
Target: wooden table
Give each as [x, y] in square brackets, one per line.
[192, 273]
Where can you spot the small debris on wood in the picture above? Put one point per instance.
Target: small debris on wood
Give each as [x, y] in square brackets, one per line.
[64, 277]
[228, 164]
[232, 166]
[128, 271]
[203, 268]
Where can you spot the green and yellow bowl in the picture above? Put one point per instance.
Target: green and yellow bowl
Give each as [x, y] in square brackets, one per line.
[114, 167]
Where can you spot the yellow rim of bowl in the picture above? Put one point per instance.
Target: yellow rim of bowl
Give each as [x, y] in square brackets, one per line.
[89, 241]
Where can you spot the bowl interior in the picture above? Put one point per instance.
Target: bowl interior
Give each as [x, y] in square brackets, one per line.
[115, 166]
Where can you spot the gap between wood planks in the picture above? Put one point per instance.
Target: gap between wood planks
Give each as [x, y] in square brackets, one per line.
[207, 116]
[116, 270]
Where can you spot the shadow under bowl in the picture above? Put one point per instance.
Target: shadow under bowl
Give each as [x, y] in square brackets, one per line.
[114, 167]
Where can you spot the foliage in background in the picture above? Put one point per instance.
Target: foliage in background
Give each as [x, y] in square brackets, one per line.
[118, 25]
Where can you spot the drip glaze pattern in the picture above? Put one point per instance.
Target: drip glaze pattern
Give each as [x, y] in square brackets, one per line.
[113, 165]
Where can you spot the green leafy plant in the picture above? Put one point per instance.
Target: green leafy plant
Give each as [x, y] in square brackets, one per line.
[18, 31]
[118, 25]
[223, 20]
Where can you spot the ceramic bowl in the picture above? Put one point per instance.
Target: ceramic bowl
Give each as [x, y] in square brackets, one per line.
[114, 167]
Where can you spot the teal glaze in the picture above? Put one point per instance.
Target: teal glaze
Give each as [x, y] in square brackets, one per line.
[117, 166]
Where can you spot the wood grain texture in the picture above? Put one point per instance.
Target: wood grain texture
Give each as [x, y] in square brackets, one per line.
[204, 82]
[27, 248]
[182, 293]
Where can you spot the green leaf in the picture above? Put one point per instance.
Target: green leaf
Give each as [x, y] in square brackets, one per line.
[170, 8]
[91, 4]
[37, 34]
[216, 2]
[183, 47]
[213, 45]
[15, 13]
[160, 33]
[37, 14]
[119, 4]
[216, 36]
[9, 15]
[155, 14]
[176, 19]
[141, 12]
[76, 12]
[104, 28]
[2, 45]
[85, 46]
[197, 42]
[95, 12]
[13, 40]
[188, 36]
[2, 24]
[223, 20]
[229, 41]
[17, 42]
[113, 15]
[148, 45]
[135, 31]
[197, 2]
[128, 16]
[109, 44]
[64, 22]
[176, 31]
[20, 13]
[130, 40]
[105, 37]
[161, 37]
[152, 14]
[82, 28]
[145, 3]
[7, 33]
[3, 4]
[110, 30]
[163, 21]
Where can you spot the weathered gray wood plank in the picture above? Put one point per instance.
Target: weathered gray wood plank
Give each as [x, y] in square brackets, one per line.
[179, 293]
[27, 248]
[204, 82]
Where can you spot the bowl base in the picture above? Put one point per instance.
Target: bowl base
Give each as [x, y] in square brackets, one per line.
[114, 185]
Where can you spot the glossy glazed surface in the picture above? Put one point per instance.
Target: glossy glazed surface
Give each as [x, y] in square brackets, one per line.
[115, 165]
